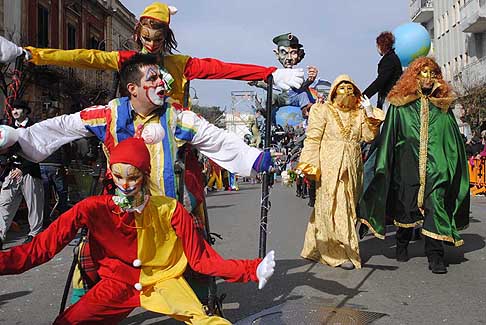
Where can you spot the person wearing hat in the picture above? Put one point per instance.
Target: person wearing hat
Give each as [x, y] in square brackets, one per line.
[331, 155]
[22, 181]
[164, 125]
[153, 35]
[142, 244]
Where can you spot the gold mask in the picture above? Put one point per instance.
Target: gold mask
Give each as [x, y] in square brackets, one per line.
[345, 97]
[427, 77]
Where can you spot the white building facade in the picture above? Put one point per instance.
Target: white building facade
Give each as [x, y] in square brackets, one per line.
[458, 33]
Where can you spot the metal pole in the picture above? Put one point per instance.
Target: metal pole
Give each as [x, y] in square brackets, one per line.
[265, 203]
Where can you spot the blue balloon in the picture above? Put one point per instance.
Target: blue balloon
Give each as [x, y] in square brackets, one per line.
[290, 115]
[412, 40]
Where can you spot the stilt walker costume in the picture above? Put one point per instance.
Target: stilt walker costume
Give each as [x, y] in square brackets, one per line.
[142, 244]
[419, 175]
[154, 36]
[332, 156]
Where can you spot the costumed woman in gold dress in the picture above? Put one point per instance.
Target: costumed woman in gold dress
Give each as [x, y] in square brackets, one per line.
[332, 155]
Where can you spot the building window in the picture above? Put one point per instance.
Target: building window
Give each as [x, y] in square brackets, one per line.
[94, 39]
[42, 26]
[71, 37]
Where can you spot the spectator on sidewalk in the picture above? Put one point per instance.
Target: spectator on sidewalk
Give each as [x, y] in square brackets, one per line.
[23, 179]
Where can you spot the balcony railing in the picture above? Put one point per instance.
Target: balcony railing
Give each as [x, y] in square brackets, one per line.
[421, 11]
[473, 16]
[474, 73]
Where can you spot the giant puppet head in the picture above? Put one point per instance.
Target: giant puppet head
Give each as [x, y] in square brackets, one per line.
[344, 93]
[152, 32]
[289, 52]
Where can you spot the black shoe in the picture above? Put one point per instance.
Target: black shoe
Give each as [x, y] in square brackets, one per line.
[28, 239]
[311, 203]
[436, 265]
[402, 254]
[363, 231]
[298, 194]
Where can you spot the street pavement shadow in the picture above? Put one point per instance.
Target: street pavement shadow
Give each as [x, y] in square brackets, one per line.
[372, 246]
[13, 295]
[280, 289]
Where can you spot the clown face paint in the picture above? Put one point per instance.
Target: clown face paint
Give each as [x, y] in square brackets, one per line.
[155, 85]
[127, 178]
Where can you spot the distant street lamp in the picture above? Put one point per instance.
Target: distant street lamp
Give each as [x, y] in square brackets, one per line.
[194, 99]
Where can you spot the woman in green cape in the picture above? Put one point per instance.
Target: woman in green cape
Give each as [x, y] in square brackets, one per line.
[418, 174]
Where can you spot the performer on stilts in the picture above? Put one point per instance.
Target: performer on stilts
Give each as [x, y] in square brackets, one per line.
[332, 156]
[420, 174]
[142, 244]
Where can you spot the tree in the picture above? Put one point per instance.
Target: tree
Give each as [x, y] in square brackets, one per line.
[210, 113]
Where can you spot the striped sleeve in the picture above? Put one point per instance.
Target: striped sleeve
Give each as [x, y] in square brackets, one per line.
[187, 125]
[95, 119]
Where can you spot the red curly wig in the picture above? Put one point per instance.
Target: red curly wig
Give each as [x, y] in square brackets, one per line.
[385, 41]
[408, 83]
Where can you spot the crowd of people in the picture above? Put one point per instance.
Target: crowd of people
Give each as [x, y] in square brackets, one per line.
[413, 171]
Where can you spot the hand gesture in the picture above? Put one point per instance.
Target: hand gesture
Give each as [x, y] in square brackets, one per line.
[265, 269]
[9, 51]
[288, 78]
[312, 73]
[366, 104]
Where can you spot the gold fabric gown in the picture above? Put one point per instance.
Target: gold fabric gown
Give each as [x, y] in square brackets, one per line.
[332, 154]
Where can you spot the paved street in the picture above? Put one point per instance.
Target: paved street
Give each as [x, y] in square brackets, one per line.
[407, 292]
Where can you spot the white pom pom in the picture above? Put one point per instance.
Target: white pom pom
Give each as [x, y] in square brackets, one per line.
[153, 133]
[8, 136]
[172, 10]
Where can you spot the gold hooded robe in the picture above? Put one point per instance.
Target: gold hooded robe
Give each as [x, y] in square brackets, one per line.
[332, 155]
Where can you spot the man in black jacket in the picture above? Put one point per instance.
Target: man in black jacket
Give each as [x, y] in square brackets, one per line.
[23, 178]
[389, 69]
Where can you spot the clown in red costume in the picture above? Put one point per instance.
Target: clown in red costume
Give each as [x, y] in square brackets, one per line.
[142, 245]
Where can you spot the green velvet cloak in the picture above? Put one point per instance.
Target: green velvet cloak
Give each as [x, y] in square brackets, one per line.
[392, 175]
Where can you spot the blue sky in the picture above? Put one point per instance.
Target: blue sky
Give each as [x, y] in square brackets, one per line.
[338, 36]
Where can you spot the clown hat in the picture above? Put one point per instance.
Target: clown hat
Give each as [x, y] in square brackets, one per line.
[132, 151]
[159, 11]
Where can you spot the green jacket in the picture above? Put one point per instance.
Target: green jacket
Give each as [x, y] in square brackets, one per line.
[393, 179]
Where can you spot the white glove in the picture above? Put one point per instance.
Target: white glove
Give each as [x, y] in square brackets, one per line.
[9, 51]
[265, 269]
[365, 102]
[8, 136]
[287, 78]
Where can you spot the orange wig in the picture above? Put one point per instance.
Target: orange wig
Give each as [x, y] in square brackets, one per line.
[408, 83]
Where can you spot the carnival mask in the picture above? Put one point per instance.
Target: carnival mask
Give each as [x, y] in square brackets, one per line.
[427, 77]
[288, 56]
[127, 178]
[345, 97]
[152, 39]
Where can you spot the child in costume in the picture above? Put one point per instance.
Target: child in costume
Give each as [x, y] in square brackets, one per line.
[142, 244]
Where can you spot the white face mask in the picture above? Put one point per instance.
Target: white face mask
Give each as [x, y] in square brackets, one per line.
[127, 178]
